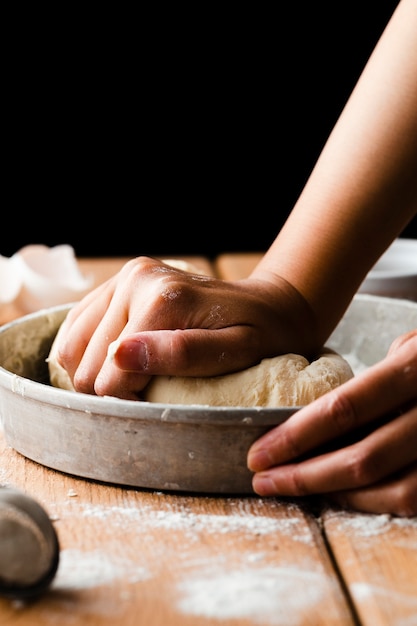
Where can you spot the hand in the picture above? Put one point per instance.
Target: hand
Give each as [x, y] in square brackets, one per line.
[170, 322]
[369, 426]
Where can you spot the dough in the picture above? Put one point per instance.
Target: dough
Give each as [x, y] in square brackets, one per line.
[286, 380]
[58, 375]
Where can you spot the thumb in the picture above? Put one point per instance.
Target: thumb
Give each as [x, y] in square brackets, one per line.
[190, 352]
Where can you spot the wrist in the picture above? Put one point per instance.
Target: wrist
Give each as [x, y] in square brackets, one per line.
[294, 326]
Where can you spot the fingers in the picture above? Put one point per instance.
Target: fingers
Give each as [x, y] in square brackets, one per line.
[189, 325]
[129, 300]
[111, 381]
[379, 391]
[397, 496]
[382, 453]
[167, 322]
[378, 412]
[191, 352]
[83, 340]
[408, 340]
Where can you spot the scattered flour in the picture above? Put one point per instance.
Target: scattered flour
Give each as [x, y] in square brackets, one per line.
[266, 595]
[205, 583]
[80, 570]
[368, 524]
[364, 591]
[146, 517]
[4, 476]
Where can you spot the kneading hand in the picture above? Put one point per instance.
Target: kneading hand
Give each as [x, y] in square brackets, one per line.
[167, 321]
[357, 444]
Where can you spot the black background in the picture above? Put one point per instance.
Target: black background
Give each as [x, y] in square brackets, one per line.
[196, 139]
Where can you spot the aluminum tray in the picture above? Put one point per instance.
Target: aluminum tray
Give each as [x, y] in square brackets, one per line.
[149, 445]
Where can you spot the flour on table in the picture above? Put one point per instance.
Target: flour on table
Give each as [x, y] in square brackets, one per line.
[370, 524]
[86, 569]
[264, 595]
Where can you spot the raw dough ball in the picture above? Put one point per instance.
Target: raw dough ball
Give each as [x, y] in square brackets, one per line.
[287, 380]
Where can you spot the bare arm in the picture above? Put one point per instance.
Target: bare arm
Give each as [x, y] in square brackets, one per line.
[360, 195]
[363, 189]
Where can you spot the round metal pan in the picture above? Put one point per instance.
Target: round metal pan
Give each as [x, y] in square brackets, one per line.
[149, 445]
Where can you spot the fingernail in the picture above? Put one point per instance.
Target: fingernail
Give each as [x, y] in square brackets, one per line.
[263, 485]
[131, 355]
[112, 349]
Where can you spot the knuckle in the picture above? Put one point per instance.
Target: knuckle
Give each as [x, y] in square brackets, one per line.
[143, 267]
[65, 357]
[404, 492]
[363, 466]
[341, 411]
[137, 268]
[299, 485]
[82, 383]
[405, 503]
[408, 339]
[290, 442]
[409, 372]
[180, 350]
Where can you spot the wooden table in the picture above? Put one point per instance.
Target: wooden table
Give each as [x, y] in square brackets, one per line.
[143, 558]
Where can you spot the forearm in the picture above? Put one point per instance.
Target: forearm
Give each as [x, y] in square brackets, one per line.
[363, 190]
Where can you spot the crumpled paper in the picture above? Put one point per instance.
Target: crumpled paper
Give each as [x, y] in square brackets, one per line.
[39, 276]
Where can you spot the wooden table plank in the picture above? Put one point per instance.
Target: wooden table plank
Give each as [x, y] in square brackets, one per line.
[236, 266]
[377, 557]
[140, 557]
[102, 269]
